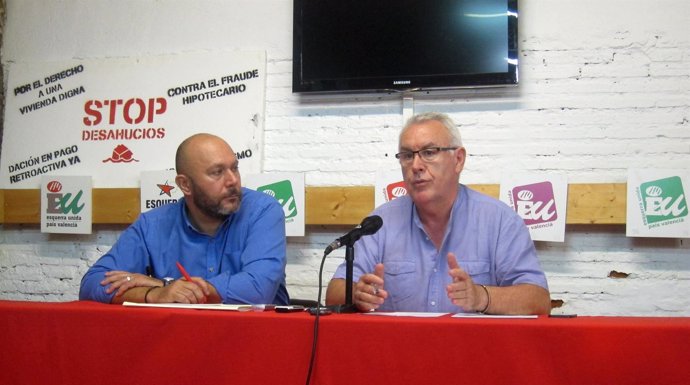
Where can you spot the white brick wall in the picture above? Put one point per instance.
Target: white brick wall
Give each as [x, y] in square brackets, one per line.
[605, 85]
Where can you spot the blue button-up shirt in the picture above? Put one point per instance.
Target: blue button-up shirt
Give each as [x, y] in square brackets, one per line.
[490, 241]
[245, 260]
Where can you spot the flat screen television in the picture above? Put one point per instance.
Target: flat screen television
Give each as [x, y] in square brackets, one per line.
[403, 45]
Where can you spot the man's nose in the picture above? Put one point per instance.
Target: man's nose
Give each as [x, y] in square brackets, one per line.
[231, 177]
[417, 162]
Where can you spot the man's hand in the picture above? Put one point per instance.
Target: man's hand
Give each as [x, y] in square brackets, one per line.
[183, 291]
[124, 280]
[368, 293]
[463, 292]
[180, 291]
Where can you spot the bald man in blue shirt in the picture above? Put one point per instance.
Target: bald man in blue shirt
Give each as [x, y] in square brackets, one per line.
[230, 239]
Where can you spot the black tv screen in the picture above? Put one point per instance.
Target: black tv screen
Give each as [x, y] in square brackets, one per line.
[403, 45]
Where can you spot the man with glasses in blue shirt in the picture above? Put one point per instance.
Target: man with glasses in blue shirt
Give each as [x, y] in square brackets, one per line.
[443, 247]
[230, 239]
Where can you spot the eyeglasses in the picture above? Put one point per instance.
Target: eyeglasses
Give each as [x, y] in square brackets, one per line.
[428, 154]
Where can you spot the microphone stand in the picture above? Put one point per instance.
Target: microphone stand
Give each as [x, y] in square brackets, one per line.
[349, 306]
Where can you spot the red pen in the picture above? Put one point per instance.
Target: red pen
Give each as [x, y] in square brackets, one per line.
[186, 276]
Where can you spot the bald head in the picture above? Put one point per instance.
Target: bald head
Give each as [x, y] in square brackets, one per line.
[208, 176]
[191, 147]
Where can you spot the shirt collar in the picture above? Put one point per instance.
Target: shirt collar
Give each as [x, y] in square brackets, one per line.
[458, 205]
[189, 224]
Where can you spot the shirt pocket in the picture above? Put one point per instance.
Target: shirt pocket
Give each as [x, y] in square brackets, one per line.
[480, 271]
[400, 280]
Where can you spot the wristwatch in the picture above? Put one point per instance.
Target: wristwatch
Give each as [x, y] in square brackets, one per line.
[167, 281]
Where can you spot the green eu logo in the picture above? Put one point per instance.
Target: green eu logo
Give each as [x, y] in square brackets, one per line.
[62, 203]
[282, 192]
[663, 199]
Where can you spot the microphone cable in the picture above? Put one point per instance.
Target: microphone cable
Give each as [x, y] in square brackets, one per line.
[369, 225]
[316, 322]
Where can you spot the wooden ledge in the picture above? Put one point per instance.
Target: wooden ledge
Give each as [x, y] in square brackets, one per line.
[598, 203]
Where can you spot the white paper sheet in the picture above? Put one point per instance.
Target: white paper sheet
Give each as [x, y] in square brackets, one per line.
[205, 306]
[407, 314]
[478, 315]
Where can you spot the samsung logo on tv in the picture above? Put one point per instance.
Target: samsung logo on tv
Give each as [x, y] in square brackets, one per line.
[396, 82]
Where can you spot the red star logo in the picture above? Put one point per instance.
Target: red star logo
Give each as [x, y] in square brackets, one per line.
[165, 188]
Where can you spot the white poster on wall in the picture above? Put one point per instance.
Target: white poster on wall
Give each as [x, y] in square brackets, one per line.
[115, 117]
[541, 201]
[288, 190]
[66, 206]
[657, 203]
[158, 188]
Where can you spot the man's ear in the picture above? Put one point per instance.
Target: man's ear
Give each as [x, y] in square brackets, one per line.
[460, 156]
[183, 183]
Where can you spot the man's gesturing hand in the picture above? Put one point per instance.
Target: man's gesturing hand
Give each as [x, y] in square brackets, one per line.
[368, 293]
[462, 291]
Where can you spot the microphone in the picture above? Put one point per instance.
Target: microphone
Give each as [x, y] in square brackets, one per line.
[369, 225]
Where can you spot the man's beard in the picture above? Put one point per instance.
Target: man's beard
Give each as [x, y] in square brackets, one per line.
[214, 208]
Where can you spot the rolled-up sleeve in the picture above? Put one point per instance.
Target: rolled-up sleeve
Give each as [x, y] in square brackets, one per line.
[128, 254]
[516, 257]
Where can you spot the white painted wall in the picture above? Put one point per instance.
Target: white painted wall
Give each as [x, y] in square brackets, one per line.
[605, 85]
